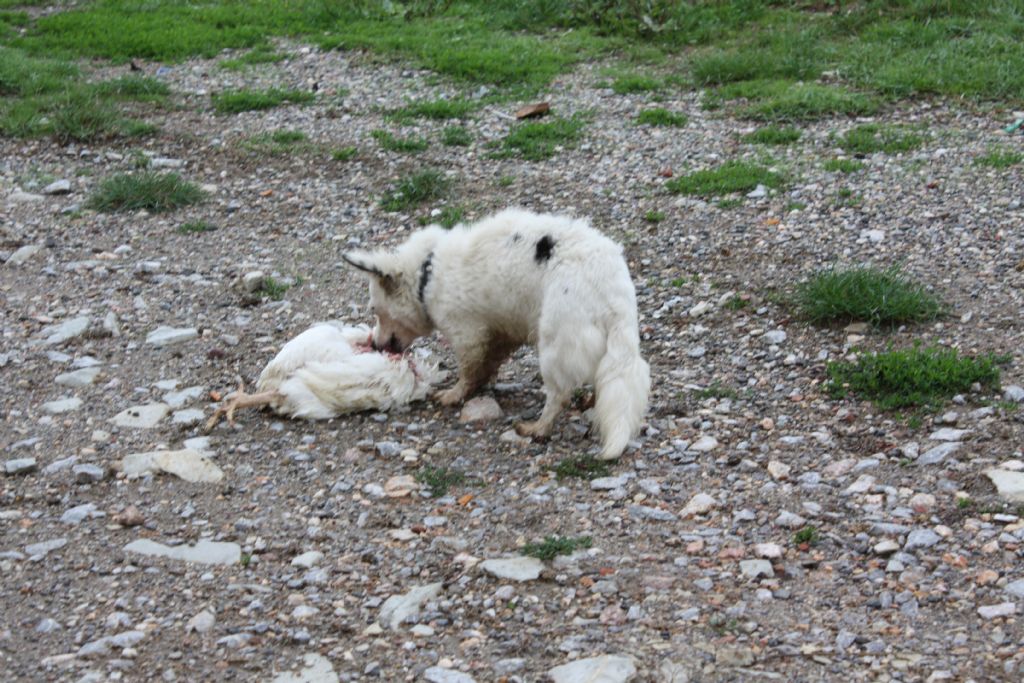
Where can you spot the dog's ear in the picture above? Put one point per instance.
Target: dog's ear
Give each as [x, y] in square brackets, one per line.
[364, 261]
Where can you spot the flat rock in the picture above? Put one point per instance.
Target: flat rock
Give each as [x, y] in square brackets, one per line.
[141, 417]
[22, 197]
[20, 466]
[704, 444]
[79, 513]
[45, 547]
[185, 464]
[700, 504]
[62, 405]
[521, 568]
[769, 550]
[481, 409]
[610, 483]
[948, 434]
[166, 336]
[752, 569]
[187, 417]
[78, 378]
[315, 669]
[201, 623]
[651, 513]
[203, 552]
[921, 538]
[602, 669]
[23, 254]
[1015, 588]
[789, 520]
[438, 674]
[177, 399]
[65, 331]
[1003, 609]
[1010, 485]
[934, 456]
[87, 473]
[778, 470]
[307, 559]
[1013, 393]
[62, 186]
[398, 608]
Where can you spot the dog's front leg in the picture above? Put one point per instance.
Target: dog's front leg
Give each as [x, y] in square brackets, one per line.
[472, 359]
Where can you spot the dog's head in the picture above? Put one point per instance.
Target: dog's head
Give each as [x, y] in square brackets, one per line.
[394, 289]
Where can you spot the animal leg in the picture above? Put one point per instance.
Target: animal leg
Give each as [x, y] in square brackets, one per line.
[555, 399]
[477, 362]
[240, 399]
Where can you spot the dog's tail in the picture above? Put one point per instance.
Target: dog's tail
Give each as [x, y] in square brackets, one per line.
[622, 384]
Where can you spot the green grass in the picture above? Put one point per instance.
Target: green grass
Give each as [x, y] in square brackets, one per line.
[911, 378]
[412, 190]
[581, 467]
[661, 117]
[391, 143]
[717, 390]
[736, 303]
[272, 288]
[139, 88]
[553, 546]
[631, 84]
[278, 142]
[236, 101]
[872, 295]
[773, 135]
[155, 192]
[538, 141]
[843, 165]
[506, 181]
[259, 55]
[999, 159]
[809, 535]
[870, 138]
[196, 227]
[732, 176]
[439, 479]
[344, 153]
[653, 216]
[449, 217]
[438, 110]
[456, 136]
[781, 100]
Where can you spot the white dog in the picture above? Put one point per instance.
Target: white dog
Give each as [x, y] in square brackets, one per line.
[520, 278]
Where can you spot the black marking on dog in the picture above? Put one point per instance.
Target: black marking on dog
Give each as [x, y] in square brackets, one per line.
[425, 270]
[516, 237]
[544, 248]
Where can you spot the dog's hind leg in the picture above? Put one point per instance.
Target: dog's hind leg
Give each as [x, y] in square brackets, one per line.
[554, 400]
[477, 364]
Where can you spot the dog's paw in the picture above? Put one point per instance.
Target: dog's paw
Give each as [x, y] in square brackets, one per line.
[532, 430]
[450, 397]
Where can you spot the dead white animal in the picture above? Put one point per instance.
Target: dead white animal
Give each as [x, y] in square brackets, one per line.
[330, 370]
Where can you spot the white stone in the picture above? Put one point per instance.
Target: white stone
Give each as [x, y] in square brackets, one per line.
[398, 608]
[302, 612]
[203, 552]
[934, 456]
[948, 434]
[316, 669]
[1014, 393]
[521, 568]
[23, 254]
[704, 444]
[20, 466]
[45, 547]
[789, 520]
[770, 550]
[177, 399]
[862, 485]
[700, 309]
[79, 513]
[779, 471]
[187, 417]
[1015, 588]
[1010, 485]
[400, 486]
[308, 559]
[22, 197]
[186, 464]
[602, 669]
[166, 162]
[78, 378]
[438, 674]
[886, 547]
[62, 186]
[63, 405]
[758, 192]
[752, 569]
[141, 417]
[481, 409]
[165, 336]
[921, 538]
[1003, 609]
[69, 329]
[774, 336]
[700, 504]
[610, 483]
[201, 623]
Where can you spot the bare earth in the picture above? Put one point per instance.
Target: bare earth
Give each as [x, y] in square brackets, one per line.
[902, 583]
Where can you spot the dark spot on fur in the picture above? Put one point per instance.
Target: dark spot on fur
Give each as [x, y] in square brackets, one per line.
[516, 237]
[544, 248]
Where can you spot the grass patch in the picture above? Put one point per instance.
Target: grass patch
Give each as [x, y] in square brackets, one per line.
[736, 303]
[808, 535]
[732, 176]
[272, 288]
[717, 390]
[344, 153]
[415, 189]
[781, 100]
[439, 479]
[632, 84]
[438, 110]
[917, 377]
[139, 88]
[456, 136]
[196, 227]
[999, 159]
[871, 295]
[237, 101]
[538, 141]
[506, 181]
[553, 546]
[843, 165]
[871, 138]
[259, 55]
[391, 143]
[155, 192]
[581, 467]
[661, 117]
[278, 142]
[449, 217]
[655, 217]
[773, 135]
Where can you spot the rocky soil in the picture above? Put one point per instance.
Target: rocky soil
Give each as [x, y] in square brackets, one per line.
[285, 550]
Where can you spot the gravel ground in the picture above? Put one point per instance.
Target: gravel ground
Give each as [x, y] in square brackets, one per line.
[694, 574]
